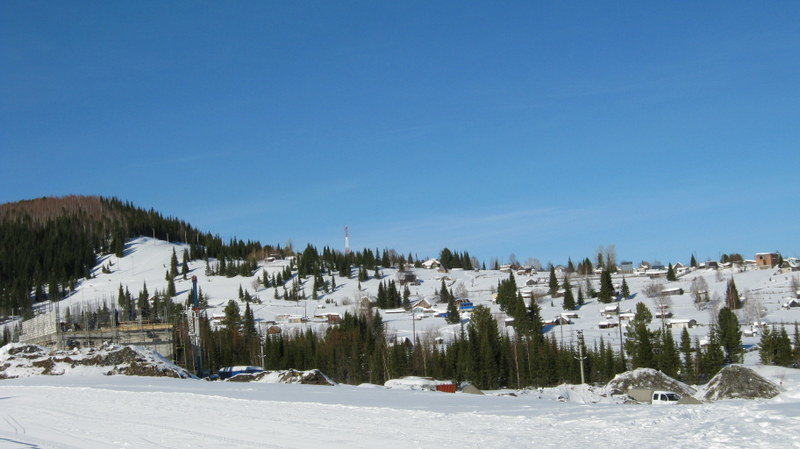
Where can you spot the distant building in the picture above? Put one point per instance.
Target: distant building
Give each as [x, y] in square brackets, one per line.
[626, 267]
[767, 260]
[406, 277]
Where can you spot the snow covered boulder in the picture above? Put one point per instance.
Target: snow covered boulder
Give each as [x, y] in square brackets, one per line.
[738, 382]
[649, 379]
[290, 376]
[21, 360]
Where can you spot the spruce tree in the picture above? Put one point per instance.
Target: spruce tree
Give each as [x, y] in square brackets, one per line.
[732, 300]
[671, 273]
[581, 299]
[173, 264]
[730, 335]
[687, 373]
[569, 299]
[453, 317]
[606, 287]
[626, 292]
[693, 262]
[553, 283]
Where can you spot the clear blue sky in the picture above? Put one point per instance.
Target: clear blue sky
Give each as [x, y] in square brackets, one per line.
[543, 129]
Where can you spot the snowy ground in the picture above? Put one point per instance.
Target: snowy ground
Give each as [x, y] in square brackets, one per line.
[147, 260]
[137, 412]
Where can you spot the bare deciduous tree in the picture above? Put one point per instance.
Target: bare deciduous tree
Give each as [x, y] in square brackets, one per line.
[700, 292]
[653, 289]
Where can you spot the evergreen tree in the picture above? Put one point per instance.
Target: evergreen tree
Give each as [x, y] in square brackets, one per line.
[569, 299]
[185, 264]
[606, 287]
[453, 317]
[171, 292]
[553, 283]
[640, 340]
[693, 262]
[732, 300]
[730, 335]
[581, 299]
[783, 348]
[687, 373]
[173, 264]
[669, 361]
[671, 273]
[712, 358]
[626, 292]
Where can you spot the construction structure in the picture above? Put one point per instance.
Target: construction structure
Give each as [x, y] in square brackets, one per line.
[47, 329]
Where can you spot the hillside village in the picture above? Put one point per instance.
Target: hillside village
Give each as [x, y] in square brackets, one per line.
[768, 289]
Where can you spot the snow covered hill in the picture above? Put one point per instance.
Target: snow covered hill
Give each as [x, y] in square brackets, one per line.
[146, 260]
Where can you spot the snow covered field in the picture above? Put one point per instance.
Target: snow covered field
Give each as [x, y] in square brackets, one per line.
[78, 411]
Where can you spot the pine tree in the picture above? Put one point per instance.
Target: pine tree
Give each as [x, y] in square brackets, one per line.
[553, 283]
[671, 273]
[569, 299]
[783, 348]
[730, 335]
[732, 300]
[669, 361]
[185, 264]
[693, 262]
[173, 264]
[606, 287]
[453, 317]
[687, 373]
[581, 299]
[171, 289]
[626, 292]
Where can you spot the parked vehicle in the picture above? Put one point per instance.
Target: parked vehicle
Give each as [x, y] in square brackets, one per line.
[665, 397]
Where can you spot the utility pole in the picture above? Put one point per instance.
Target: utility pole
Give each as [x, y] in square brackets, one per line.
[581, 358]
[619, 325]
[196, 341]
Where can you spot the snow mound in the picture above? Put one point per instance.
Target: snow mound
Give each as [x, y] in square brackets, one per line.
[649, 379]
[290, 376]
[414, 383]
[580, 394]
[25, 360]
[738, 382]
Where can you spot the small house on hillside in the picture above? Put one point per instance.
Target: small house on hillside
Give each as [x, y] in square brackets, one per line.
[423, 303]
[682, 323]
[610, 310]
[789, 265]
[791, 303]
[431, 264]
[607, 324]
[767, 260]
[626, 267]
[406, 277]
[672, 292]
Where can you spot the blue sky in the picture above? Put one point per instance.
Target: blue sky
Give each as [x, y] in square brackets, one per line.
[543, 129]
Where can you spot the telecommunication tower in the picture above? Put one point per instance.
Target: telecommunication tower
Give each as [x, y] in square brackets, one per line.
[346, 240]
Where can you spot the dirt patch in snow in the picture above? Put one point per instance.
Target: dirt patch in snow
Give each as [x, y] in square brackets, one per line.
[647, 378]
[738, 382]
